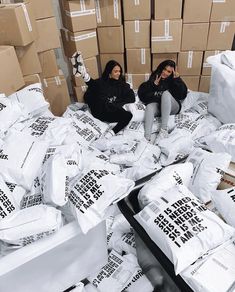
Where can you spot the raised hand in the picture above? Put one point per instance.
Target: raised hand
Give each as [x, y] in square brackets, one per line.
[175, 74]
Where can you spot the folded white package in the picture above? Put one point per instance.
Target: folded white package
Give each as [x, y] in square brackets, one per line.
[21, 157]
[228, 58]
[224, 201]
[137, 110]
[92, 192]
[208, 169]
[30, 224]
[120, 274]
[8, 205]
[222, 140]
[215, 273]
[182, 227]
[32, 98]
[164, 180]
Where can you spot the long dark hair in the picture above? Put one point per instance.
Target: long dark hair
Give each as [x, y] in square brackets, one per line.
[160, 68]
[108, 69]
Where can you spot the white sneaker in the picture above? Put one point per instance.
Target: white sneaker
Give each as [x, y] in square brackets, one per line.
[79, 68]
[163, 134]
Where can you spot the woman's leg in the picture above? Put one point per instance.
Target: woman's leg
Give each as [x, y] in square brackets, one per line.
[150, 112]
[168, 106]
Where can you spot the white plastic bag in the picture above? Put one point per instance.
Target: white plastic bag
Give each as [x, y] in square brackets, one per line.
[137, 110]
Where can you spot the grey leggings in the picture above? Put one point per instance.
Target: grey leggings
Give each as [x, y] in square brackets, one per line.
[168, 106]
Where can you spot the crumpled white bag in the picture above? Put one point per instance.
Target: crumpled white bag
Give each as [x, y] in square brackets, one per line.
[164, 180]
[224, 201]
[32, 98]
[192, 98]
[30, 224]
[137, 110]
[208, 169]
[182, 227]
[21, 157]
[92, 192]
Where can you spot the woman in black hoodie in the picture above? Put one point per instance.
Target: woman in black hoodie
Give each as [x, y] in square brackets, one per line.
[162, 94]
[107, 95]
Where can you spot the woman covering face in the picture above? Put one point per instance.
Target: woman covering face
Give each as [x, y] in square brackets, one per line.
[162, 94]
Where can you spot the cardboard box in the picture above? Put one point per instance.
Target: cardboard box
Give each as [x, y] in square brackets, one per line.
[11, 78]
[111, 39]
[166, 36]
[41, 9]
[138, 61]
[137, 34]
[206, 67]
[221, 36]
[194, 36]
[104, 58]
[79, 92]
[56, 93]
[135, 80]
[204, 85]
[28, 59]
[48, 63]
[17, 24]
[48, 34]
[91, 67]
[84, 41]
[134, 10]
[223, 11]
[192, 82]
[31, 79]
[78, 15]
[190, 63]
[158, 58]
[196, 11]
[108, 13]
[170, 9]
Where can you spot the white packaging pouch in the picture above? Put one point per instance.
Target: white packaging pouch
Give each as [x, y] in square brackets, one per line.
[115, 143]
[10, 112]
[79, 287]
[215, 273]
[192, 98]
[190, 128]
[21, 157]
[115, 274]
[54, 180]
[182, 227]
[73, 108]
[8, 205]
[136, 172]
[224, 201]
[164, 180]
[17, 192]
[201, 107]
[228, 58]
[221, 101]
[208, 169]
[93, 192]
[137, 110]
[135, 130]
[222, 140]
[179, 118]
[32, 98]
[175, 147]
[30, 224]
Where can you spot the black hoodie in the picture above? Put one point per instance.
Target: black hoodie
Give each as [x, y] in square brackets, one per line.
[149, 92]
[106, 94]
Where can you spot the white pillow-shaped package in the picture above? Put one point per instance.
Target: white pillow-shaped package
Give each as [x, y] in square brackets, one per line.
[8, 205]
[17, 192]
[30, 224]
[224, 201]
[179, 118]
[214, 273]
[137, 110]
[32, 98]
[191, 128]
[192, 98]
[54, 180]
[10, 112]
[182, 227]
[123, 243]
[164, 180]
[183, 145]
[136, 172]
[93, 192]
[21, 158]
[135, 129]
[201, 107]
[115, 143]
[208, 169]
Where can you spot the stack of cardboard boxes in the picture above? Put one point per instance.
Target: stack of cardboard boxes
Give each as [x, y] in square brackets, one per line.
[79, 34]
[31, 28]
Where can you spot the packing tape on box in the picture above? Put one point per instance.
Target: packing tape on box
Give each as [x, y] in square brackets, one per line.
[45, 82]
[98, 12]
[80, 12]
[115, 9]
[137, 2]
[26, 14]
[83, 5]
[83, 37]
[146, 76]
[129, 78]
[57, 80]
[223, 26]
[166, 36]
[219, 1]
[190, 59]
[137, 26]
[143, 56]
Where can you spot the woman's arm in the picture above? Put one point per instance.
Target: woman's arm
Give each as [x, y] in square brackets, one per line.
[178, 88]
[147, 94]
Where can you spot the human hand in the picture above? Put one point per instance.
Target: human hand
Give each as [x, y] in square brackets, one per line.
[175, 74]
[157, 80]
